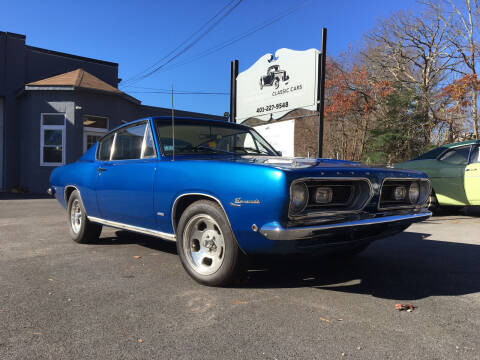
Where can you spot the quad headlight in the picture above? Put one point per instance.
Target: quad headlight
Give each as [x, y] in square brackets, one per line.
[323, 195]
[414, 192]
[400, 193]
[298, 197]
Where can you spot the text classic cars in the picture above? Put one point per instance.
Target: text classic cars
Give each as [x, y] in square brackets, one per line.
[222, 193]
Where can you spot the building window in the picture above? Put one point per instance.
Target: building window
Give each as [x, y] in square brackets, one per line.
[95, 123]
[52, 139]
[94, 127]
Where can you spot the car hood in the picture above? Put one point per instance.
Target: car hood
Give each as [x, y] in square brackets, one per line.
[306, 167]
[298, 166]
[290, 163]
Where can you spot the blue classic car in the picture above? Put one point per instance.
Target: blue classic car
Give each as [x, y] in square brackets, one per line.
[222, 192]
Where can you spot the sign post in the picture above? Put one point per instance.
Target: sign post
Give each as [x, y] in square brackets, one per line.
[279, 83]
[233, 90]
[321, 91]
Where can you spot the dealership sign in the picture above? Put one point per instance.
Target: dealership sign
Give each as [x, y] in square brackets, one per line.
[272, 87]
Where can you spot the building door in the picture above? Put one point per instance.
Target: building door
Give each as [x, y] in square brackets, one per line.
[94, 127]
[1, 141]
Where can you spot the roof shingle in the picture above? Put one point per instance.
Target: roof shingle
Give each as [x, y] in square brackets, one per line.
[79, 79]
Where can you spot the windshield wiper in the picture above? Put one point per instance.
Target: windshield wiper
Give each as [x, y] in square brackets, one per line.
[248, 149]
[200, 147]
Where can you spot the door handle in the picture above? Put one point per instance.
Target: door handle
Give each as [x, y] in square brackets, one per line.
[471, 169]
[101, 169]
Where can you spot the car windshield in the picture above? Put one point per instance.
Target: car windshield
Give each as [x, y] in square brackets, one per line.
[193, 137]
[432, 154]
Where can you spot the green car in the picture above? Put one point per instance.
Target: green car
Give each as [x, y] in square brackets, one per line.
[454, 172]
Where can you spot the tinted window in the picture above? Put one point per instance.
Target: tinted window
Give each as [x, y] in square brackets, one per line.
[458, 156]
[128, 143]
[104, 148]
[475, 157]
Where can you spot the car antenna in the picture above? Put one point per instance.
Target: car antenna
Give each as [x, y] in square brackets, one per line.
[173, 130]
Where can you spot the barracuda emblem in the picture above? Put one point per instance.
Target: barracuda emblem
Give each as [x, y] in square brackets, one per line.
[239, 201]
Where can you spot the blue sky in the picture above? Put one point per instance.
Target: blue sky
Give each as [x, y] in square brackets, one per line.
[138, 33]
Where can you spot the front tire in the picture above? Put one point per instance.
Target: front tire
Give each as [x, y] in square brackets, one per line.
[206, 245]
[82, 230]
[432, 204]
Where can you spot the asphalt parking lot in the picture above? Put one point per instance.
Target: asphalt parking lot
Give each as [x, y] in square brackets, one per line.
[129, 298]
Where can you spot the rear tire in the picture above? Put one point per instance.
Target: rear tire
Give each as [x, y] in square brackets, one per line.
[82, 230]
[206, 245]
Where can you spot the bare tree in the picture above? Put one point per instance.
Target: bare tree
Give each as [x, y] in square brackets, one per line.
[462, 22]
[414, 52]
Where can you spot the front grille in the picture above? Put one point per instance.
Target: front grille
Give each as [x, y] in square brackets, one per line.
[387, 194]
[348, 195]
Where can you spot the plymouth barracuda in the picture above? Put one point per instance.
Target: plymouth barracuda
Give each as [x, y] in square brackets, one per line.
[454, 170]
[222, 193]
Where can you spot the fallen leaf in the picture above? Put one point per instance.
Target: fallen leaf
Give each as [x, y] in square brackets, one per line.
[50, 279]
[137, 257]
[407, 307]
[36, 333]
[237, 302]
[325, 320]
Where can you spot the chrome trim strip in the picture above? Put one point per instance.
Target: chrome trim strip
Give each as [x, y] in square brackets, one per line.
[274, 231]
[412, 206]
[138, 229]
[330, 212]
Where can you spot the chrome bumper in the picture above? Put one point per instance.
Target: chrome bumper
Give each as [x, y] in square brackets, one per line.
[274, 231]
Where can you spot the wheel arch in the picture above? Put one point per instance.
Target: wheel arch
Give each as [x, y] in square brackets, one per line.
[185, 200]
[67, 192]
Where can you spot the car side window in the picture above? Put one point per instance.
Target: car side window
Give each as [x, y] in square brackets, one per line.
[148, 150]
[475, 157]
[458, 156]
[128, 143]
[105, 147]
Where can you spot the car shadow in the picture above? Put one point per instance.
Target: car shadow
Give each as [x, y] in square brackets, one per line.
[123, 237]
[25, 196]
[406, 266]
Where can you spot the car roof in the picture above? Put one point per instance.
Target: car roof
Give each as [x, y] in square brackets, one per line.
[462, 143]
[199, 120]
[182, 119]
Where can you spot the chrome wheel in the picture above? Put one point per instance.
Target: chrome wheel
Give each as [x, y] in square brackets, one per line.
[203, 244]
[76, 216]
